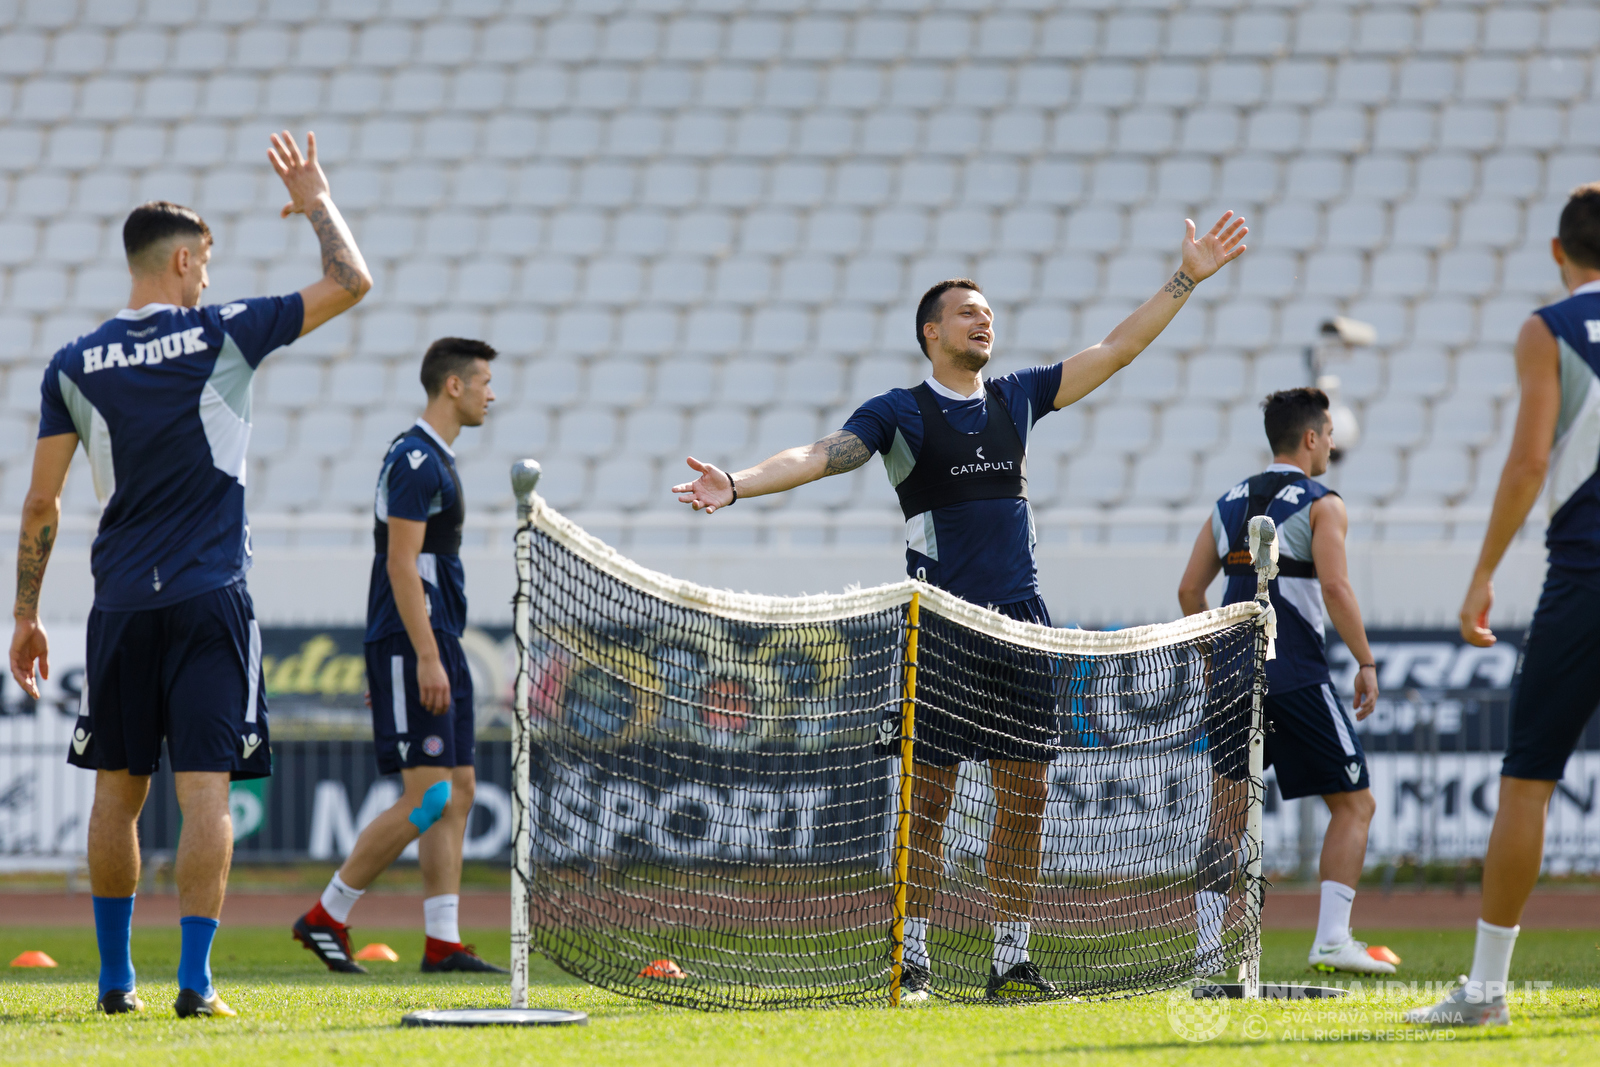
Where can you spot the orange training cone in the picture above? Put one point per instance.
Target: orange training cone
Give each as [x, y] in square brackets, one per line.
[33, 959]
[662, 969]
[378, 951]
[1383, 953]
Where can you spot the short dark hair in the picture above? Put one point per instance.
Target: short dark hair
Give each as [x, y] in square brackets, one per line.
[1289, 413]
[152, 223]
[1579, 232]
[451, 355]
[928, 306]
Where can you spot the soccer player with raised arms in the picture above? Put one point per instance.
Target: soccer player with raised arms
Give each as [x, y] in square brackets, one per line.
[419, 686]
[955, 449]
[1310, 739]
[160, 398]
[1557, 684]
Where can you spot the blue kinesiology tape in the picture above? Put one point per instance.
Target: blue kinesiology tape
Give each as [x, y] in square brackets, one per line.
[433, 803]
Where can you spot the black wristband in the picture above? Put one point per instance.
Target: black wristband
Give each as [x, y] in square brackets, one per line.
[735, 489]
[1364, 666]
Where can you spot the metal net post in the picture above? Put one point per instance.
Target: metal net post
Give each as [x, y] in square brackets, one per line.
[524, 479]
[1264, 557]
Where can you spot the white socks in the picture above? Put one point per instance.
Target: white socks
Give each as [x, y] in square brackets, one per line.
[1333, 919]
[1010, 945]
[441, 917]
[916, 950]
[338, 899]
[1209, 909]
[1491, 960]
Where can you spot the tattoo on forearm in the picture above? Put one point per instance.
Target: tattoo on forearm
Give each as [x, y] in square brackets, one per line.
[31, 560]
[338, 255]
[1180, 286]
[845, 452]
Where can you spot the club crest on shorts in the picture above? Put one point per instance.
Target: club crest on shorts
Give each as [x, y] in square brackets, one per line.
[432, 745]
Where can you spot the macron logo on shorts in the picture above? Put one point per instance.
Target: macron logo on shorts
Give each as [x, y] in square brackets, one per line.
[80, 740]
[1354, 771]
[405, 749]
[250, 743]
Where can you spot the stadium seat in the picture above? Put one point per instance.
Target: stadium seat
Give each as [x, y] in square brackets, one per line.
[1370, 474]
[1095, 478]
[1437, 475]
[1165, 477]
[324, 433]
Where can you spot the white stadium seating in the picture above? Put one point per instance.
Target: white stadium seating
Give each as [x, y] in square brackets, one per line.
[703, 227]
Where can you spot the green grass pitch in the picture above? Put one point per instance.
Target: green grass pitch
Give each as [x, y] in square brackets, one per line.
[292, 1012]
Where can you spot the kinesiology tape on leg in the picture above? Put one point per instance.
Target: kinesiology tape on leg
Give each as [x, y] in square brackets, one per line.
[433, 804]
[1213, 869]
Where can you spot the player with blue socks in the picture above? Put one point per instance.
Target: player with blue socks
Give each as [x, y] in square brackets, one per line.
[420, 689]
[160, 398]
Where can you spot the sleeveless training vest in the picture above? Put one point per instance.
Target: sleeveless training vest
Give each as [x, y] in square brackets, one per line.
[954, 467]
[442, 537]
[1263, 488]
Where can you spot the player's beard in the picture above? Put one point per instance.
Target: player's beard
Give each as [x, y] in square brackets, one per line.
[972, 359]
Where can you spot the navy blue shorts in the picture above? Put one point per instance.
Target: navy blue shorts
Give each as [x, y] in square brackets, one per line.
[981, 699]
[405, 733]
[1557, 684]
[1311, 740]
[189, 673]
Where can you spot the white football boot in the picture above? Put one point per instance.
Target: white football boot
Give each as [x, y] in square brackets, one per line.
[1349, 956]
[1465, 1006]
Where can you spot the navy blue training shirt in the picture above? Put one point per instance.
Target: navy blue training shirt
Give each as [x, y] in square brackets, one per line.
[415, 485]
[981, 550]
[160, 398]
[1573, 536]
[1301, 656]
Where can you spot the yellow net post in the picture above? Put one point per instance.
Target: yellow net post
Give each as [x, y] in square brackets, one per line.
[902, 830]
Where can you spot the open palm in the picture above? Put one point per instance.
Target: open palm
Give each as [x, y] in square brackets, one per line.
[1203, 258]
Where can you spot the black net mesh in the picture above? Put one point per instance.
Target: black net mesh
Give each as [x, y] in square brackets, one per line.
[713, 803]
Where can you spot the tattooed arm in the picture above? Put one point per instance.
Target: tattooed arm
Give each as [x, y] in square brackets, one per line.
[41, 519]
[345, 279]
[1085, 372]
[836, 453]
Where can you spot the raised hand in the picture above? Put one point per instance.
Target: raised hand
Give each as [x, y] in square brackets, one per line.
[712, 490]
[301, 175]
[1221, 246]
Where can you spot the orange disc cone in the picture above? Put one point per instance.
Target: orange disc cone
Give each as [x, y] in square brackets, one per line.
[662, 969]
[378, 951]
[1383, 953]
[33, 959]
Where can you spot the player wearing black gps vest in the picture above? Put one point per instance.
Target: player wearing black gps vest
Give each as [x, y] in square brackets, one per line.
[1311, 740]
[1554, 692]
[955, 448]
[419, 687]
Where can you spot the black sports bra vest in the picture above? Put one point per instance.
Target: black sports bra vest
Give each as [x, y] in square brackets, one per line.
[954, 467]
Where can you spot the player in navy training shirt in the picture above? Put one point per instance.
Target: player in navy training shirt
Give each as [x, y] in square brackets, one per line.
[160, 398]
[419, 686]
[1554, 692]
[961, 478]
[1310, 740]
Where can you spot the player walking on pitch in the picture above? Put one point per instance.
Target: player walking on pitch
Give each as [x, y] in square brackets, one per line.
[1310, 739]
[160, 398]
[1558, 675]
[419, 686]
[969, 530]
